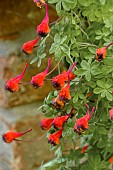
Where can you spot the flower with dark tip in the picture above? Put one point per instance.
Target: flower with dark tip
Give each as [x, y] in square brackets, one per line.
[43, 29]
[54, 138]
[59, 81]
[28, 47]
[38, 80]
[81, 124]
[58, 122]
[39, 3]
[12, 85]
[64, 93]
[46, 123]
[101, 52]
[8, 137]
[57, 103]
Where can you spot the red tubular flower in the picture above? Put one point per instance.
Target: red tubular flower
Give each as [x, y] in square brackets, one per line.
[43, 29]
[101, 52]
[111, 113]
[59, 81]
[38, 80]
[71, 75]
[39, 3]
[55, 137]
[81, 124]
[64, 93]
[57, 103]
[45, 123]
[12, 85]
[27, 47]
[10, 136]
[84, 148]
[58, 122]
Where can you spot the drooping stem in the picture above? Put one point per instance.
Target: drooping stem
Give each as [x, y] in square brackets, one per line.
[54, 22]
[34, 140]
[109, 44]
[46, 71]
[54, 68]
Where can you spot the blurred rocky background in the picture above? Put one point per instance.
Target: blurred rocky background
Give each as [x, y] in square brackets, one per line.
[18, 111]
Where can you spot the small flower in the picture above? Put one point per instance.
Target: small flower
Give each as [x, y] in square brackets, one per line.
[28, 47]
[71, 75]
[38, 80]
[110, 159]
[64, 93]
[8, 137]
[101, 53]
[12, 85]
[58, 122]
[59, 81]
[111, 113]
[43, 29]
[54, 138]
[81, 124]
[45, 123]
[39, 3]
[57, 103]
[84, 148]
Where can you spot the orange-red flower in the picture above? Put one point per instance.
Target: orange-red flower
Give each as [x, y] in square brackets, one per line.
[57, 103]
[110, 159]
[12, 85]
[59, 81]
[39, 3]
[43, 29]
[38, 80]
[46, 123]
[8, 137]
[81, 124]
[71, 75]
[101, 53]
[84, 148]
[54, 138]
[28, 47]
[58, 122]
[64, 93]
[111, 113]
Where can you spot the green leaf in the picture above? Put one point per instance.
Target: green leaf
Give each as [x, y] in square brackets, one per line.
[97, 90]
[88, 75]
[102, 2]
[84, 65]
[65, 49]
[34, 60]
[75, 99]
[109, 96]
[100, 83]
[52, 1]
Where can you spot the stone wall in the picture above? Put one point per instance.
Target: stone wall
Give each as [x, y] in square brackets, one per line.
[18, 21]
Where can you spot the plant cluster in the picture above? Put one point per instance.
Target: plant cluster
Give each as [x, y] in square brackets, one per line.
[82, 28]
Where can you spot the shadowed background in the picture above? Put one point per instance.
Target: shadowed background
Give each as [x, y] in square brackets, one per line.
[18, 111]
